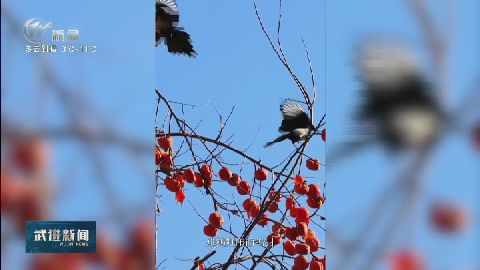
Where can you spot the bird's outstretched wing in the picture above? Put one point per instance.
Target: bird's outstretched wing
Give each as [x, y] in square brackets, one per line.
[179, 42]
[293, 116]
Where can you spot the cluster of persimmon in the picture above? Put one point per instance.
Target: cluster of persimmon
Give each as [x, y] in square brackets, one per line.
[163, 152]
[215, 222]
[252, 208]
[163, 159]
[311, 191]
[243, 186]
[176, 182]
[301, 263]
[299, 240]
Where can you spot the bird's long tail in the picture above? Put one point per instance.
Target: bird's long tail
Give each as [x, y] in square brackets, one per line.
[279, 139]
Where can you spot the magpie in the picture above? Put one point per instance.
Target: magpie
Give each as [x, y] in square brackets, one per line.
[296, 124]
[166, 29]
[398, 102]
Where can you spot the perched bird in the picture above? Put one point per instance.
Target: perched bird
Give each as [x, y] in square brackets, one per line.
[296, 125]
[166, 29]
[398, 103]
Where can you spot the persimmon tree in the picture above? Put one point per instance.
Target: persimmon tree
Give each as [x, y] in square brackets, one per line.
[285, 198]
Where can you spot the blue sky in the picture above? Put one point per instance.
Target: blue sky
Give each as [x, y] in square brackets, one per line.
[235, 67]
[116, 81]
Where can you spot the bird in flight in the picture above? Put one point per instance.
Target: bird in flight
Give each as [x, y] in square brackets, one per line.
[398, 99]
[167, 30]
[296, 124]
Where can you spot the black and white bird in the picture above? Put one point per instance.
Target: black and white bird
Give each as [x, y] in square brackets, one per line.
[399, 102]
[296, 124]
[167, 30]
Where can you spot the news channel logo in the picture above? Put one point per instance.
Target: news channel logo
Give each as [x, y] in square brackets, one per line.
[34, 32]
[60, 236]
